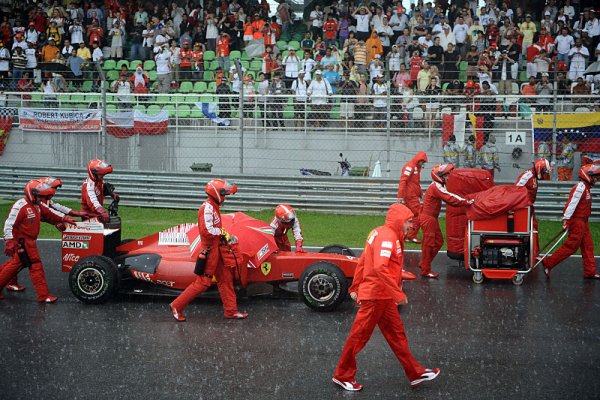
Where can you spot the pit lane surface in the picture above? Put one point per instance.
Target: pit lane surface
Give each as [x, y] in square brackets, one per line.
[491, 341]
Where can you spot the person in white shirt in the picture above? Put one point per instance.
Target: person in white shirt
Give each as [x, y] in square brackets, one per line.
[31, 35]
[31, 55]
[307, 65]
[116, 46]
[97, 55]
[299, 87]
[446, 37]
[379, 91]
[67, 49]
[578, 55]
[76, 31]
[385, 33]
[569, 10]
[148, 41]
[362, 15]
[377, 19]
[398, 22]
[292, 66]
[563, 42]
[318, 91]
[316, 18]
[123, 89]
[263, 92]
[163, 69]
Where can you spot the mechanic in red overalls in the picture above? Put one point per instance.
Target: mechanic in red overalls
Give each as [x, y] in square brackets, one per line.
[529, 179]
[432, 204]
[94, 189]
[54, 183]
[209, 260]
[410, 192]
[377, 288]
[284, 220]
[21, 230]
[575, 219]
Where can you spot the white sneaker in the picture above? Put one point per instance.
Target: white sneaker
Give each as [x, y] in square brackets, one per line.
[351, 386]
[428, 375]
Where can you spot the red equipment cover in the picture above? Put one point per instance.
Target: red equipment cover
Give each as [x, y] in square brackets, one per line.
[497, 201]
[463, 182]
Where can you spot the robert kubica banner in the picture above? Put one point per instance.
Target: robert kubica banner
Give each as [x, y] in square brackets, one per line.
[36, 119]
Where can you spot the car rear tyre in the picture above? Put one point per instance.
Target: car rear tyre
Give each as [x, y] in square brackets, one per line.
[94, 280]
[337, 249]
[323, 286]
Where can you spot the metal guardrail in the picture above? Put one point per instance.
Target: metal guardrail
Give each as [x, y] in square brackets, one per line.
[347, 195]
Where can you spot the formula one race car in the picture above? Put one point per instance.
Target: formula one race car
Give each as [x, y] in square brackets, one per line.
[100, 264]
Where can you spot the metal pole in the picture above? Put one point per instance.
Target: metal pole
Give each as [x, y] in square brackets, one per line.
[241, 111]
[102, 138]
[553, 155]
[388, 122]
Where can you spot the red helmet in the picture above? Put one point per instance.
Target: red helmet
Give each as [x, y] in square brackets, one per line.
[470, 84]
[51, 181]
[35, 189]
[285, 214]
[218, 189]
[542, 167]
[98, 168]
[439, 173]
[590, 173]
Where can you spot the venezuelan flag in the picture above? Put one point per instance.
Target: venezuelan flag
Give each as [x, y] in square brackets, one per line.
[582, 128]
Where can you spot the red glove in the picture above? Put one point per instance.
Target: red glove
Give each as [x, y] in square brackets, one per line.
[299, 248]
[102, 214]
[11, 247]
[79, 214]
[61, 227]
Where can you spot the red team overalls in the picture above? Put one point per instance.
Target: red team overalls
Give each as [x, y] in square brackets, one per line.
[410, 190]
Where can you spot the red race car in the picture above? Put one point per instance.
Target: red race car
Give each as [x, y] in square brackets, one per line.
[100, 264]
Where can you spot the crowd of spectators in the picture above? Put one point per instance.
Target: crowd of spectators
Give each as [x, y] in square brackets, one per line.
[349, 48]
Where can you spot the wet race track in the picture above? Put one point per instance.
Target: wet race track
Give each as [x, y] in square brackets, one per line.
[492, 341]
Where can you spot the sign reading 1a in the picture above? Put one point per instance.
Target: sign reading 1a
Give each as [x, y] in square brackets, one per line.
[515, 138]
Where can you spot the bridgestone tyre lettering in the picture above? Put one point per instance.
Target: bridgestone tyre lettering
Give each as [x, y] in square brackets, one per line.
[94, 280]
[323, 286]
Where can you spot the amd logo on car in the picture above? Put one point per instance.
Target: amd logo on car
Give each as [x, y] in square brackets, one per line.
[75, 245]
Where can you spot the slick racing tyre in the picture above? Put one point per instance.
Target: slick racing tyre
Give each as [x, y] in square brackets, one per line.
[337, 249]
[323, 286]
[94, 280]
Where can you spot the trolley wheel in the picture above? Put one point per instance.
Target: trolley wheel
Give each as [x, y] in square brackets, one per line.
[478, 277]
[517, 279]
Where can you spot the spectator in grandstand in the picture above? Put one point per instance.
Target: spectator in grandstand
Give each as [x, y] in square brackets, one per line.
[307, 65]
[398, 22]
[117, 34]
[299, 88]
[450, 63]
[330, 30]
[528, 29]
[374, 46]
[76, 31]
[19, 63]
[332, 76]
[223, 50]
[163, 69]
[139, 80]
[362, 100]
[385, 34]
[4, 61]
[376, 68]
[84, 52]
[424, 77]
[362, 15]
[50, 54]
[379, 90]
[123, 89]
[544, 89]
[472, 59]
[318, 91]
[31, 55]
[316, 19]
[212, 31]
[349, 44]
[542, 63]
[67, 48]
[360, 56]
[75, 63]
[95, 33]
[347, 88]
[435, 53]
[504, 64]
[394, 60]
[432, 90]
[137, 50]
[31, 34]
[292, 66]
[307, 44]
[578, 56]
[330, 59]
[148, 41]
[277, 89]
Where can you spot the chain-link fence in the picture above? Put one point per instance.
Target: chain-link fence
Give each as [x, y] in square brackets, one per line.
[290, 134]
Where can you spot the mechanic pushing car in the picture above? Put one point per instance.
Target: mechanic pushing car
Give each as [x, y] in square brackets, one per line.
[575, 219]
[54, 183]
[377, 289]
[410, 192]
[95, 188]
[432, 204]
[529, 179]
[209, 260]
[284, 220]
[21, 230]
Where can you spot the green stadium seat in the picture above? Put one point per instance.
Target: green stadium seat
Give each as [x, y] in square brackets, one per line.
[235, 54]
[196, 113]
[111, 108]
[207, 99]
[112, 75]
[191, 99]
[186, 87]
[109, 65]
[281, 44]
[77, 98]
[245, 64]
[140, 107]
[121, 63]
[209, 76]
[245, 56]
[149, 65]
[212, 87]
[209, 55]
[294, 44]
[523, 76]
[163, 100]
[152, 75]
[200, 87]
[87, 86]
[94, 98]
[153, 109]
[171, 109]
[212, 65]
[256, 65]
[134, 64]
[183, 111]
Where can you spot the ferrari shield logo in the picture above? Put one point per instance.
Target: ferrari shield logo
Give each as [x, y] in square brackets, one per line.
[265, 268]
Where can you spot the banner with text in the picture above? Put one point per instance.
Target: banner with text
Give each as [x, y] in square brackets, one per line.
[60, 120]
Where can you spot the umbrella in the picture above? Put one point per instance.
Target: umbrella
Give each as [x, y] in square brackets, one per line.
[255, 237]
[593, 68]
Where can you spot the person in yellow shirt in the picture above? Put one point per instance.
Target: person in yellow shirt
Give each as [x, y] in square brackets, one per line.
[84, 52]
[528, 29]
